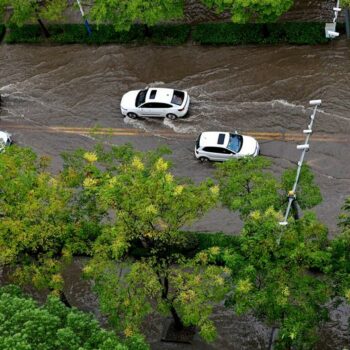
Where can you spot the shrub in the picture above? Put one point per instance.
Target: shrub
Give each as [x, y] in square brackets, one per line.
[296, 33]
[271, 33]
[2, 31]
[25, 325]
[228, 33]
[102, 34]
[28, 33]
[171, 34]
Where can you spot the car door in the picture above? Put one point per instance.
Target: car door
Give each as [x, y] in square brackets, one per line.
[165, 109]
[148, 109]
[215, 153]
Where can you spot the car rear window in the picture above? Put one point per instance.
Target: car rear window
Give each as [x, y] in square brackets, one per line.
[141, 97]
[178, 97]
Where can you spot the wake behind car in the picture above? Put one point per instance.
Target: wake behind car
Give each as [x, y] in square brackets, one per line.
[155, 102]
[221, 146]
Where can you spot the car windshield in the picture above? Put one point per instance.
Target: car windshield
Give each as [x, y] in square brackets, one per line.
[235, 143]
[141, 97]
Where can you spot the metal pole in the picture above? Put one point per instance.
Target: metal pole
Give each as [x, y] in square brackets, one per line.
[87, 26]
[304, 147]
[347, 22]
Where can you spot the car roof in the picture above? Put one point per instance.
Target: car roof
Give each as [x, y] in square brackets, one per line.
[214, 138]
[162, 95]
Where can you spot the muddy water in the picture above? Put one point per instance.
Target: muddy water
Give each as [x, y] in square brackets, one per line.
[251, 89]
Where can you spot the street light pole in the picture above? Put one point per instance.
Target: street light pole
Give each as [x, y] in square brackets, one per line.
[304, 148]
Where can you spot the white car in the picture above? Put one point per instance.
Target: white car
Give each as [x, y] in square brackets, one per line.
[5, 140]
[155, 102]
[221, 146]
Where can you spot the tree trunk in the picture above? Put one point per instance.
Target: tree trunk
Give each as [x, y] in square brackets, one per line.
[43, 28]
[177, 321]
[273, 336]
[296, 210]
[64, 299]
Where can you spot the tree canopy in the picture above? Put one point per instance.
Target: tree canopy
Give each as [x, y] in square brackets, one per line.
[138, 261]
[122, 14]
[30, 10]
[251, 10]
[247, 185]
[27, 326]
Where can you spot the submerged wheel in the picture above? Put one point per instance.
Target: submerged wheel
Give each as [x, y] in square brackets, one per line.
[171, 116]
[203, 159]
[132, 115]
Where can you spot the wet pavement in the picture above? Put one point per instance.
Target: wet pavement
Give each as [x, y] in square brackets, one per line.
[54, 97]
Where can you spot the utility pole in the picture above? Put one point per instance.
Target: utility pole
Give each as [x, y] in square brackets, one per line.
[304, 148]
[347, 22]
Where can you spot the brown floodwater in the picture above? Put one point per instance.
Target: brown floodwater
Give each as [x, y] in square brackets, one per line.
[251, 89]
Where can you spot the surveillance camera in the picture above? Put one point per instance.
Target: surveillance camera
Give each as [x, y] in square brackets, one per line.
[336, 9]
[315, 102]
[302, 147]
[307, 131]
[332, 34]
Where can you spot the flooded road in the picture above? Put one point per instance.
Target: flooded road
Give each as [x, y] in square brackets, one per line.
[263, 91]
[54, 96]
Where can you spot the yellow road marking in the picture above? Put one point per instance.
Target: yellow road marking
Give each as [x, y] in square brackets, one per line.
[277, 136]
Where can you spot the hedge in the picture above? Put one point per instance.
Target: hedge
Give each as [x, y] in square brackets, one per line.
[171, 34]
[2, 31]
[270, 33]
[102, 34]
[174, 34]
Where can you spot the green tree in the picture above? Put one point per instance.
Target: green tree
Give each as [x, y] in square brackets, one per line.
[122, 14]
[139, 263]
[251, 10]
[31, 10]
[247, 185]
[25, 326]
[277, 282]
[38, 230]
[339, 268]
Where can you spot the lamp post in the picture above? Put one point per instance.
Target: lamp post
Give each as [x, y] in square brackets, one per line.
[304, 148]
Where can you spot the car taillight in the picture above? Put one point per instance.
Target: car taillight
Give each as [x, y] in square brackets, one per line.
[180, 110]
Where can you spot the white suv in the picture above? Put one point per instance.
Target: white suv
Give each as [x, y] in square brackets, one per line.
[155, 102]
[221, 146]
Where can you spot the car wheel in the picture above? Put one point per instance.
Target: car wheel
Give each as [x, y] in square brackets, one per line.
[203, 159]
[171, 116]
[132, 115]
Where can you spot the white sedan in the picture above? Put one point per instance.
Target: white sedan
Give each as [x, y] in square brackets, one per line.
[221, 146]
[5, 140]
[155, 102]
